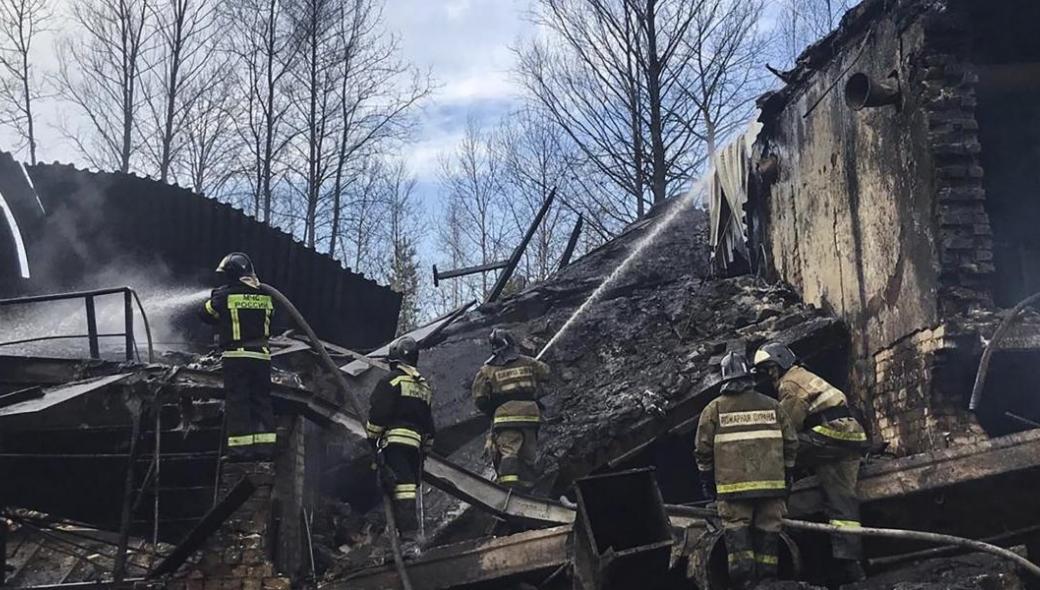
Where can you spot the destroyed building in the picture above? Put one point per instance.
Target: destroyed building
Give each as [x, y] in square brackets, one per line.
[891, 183]
[877, 217]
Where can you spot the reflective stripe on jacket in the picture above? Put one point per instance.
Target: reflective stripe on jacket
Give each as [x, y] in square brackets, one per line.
[804, 394]
[400, 408]
[749, 443]
[509, 392]
[242, 315]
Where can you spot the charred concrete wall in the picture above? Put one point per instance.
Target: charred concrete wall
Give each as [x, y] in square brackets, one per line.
[878, 214]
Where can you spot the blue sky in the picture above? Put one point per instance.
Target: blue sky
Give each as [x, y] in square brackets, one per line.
[466, 45]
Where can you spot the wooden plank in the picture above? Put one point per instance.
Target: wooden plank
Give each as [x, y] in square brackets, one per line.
[934, 470]
[209, 524]
[472, 562]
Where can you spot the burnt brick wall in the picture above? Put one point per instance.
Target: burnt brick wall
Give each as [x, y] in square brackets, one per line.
[965, 245]
[916, 409]
[238, 556]
[848, 221]
[879, 215]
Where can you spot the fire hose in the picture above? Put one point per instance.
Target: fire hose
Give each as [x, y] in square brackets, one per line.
[917, 536]
[904, 534]
[341, 382]
[987, 354]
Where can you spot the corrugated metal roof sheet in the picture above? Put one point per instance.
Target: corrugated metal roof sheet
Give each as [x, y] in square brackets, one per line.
[53, 396]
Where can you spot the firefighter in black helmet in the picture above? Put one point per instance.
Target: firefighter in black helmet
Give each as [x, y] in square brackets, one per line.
[831, 443]
[242, 314]
[400, 427]
[507, 389]
[745, 452]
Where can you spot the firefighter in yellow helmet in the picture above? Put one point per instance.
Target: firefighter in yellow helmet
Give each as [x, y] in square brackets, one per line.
[745, 452]
[242, 314]
[831, 442]
[507, 389]
[400, 428]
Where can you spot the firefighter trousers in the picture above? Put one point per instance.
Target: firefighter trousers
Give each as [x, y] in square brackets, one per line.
[404, 465]
[515, 451]
[751, 528]
[251, 433]
[838, 472]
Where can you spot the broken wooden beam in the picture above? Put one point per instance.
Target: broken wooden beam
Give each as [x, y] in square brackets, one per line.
[209, 524]
[471, 562]
[932, 471]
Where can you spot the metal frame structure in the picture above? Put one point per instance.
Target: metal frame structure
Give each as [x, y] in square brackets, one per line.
[92, 335]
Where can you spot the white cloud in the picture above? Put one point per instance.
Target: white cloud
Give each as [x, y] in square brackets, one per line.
[423, 157]
[456, 9]
[478, 86]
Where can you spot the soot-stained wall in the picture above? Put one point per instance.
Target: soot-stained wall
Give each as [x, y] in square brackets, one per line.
[879, 215]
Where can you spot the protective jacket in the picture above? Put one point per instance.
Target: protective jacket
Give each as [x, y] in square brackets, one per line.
[509, 392]
[819, 409]
[400, 408]
[242, 315]
[746, 439]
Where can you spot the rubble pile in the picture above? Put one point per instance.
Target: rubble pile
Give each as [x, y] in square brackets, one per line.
[965, 572]
[652, 341]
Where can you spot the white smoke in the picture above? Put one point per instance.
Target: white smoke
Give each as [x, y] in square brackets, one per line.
[170, 309]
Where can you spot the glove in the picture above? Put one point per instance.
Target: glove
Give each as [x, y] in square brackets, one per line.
[708, 485]
[427, 445]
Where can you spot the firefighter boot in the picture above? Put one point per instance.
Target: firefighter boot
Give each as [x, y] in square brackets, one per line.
[767, 555]
[741, 557]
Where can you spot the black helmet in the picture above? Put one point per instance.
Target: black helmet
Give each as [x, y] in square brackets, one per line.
[235, 266]
[734, 366]
[404, 350]
[774, 352]
[501, 340]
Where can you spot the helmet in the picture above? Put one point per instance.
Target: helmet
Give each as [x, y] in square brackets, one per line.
[734, 366]
[404, 350]
[774, 352]
[501, 340]
[236, 265]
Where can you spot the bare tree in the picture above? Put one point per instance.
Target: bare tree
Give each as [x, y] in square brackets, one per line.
[261, 40]
[212, 148]
[186, 45]
[364, 213]
[452, 254]
[377, 95]
[610, 76]
[802, 22]
[470, 180]
[21, 22]
[725, 47]
[403, 230]
[313, 95]
[534, 162]
[101, 74]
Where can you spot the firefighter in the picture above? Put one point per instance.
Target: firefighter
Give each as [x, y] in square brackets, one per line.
[831, 443]
[745, 453]
[400, 428]
[507, 389]
[242, 314]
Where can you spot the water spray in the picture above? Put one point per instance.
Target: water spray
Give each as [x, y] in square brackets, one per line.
[637, 251]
